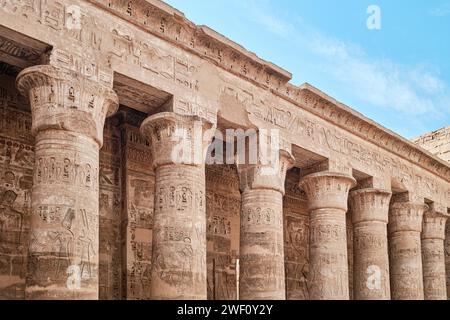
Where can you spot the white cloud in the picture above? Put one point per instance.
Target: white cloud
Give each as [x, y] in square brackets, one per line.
[267, 19]
[442, 11]
[382, 83]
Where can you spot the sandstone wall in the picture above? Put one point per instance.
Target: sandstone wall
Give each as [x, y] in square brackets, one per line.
[137, 221]
[16, 176]
[223, 205]
[436, 142]
[16, 180]
[296, 239]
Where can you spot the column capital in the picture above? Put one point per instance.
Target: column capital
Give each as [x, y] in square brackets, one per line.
[178, 139]
[406, 216]
[370, 205]
[434, 225]
[65, 100]
[271, 177]
[327, 189]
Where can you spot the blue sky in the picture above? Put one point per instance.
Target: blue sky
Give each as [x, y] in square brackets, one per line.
[398, 76]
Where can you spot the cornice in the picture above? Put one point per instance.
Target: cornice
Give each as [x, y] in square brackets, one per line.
[169, 24]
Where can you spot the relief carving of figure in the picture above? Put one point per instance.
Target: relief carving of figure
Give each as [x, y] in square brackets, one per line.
[11, 221]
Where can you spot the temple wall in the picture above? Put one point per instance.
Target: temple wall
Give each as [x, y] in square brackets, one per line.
[223, 205]
[16, 179]
[110, 213]
[137, 221]
[296, 240]
[160, 62]
[437, 142]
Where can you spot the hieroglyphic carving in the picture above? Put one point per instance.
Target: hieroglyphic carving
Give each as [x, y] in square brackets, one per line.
[172, 26]
[405, 252]
[332, 141]
[16, 180]
[15, 51]
[222, 230]
[296, 239]
[152, 59]
[447, 255]
[55, 15]
[433, 255]
[179, 267]
[63, 256]
[339, 144]
[327, 194]
[369, 218]
[262, 271]
[139, 183]
[203, 41]
[58, 17]
[110, 250]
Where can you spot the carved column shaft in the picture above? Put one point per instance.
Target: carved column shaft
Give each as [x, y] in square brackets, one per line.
[405, 252]
[262, 274]
[370, 208]
[433, 256]
[327, 194]
[68, 117]
[261, 246]
[179, 231]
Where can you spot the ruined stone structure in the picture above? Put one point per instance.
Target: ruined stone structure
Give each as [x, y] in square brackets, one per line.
[436, 142]
[436, 230]
[93, 204]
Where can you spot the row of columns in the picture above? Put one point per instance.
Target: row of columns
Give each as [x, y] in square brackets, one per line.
[68, 117]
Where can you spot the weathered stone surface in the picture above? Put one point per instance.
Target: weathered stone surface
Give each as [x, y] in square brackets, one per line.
[436, 142]
[179, 233]
[68, 117]
[327, 194]
[405, 255]
[296, 239]
[433, 255]
[137, 221]
[223, 207]
[262, 274]
[101, 213]
[16, 179]
[370, 208]
[110, 211]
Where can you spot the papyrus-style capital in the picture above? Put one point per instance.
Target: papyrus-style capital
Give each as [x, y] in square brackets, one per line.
[178, 139]
[271, 177]
[369, 209]
[327, 189]
[434, 225]
[261, 237]
[406, 216]
[65, 100]
[370, 205]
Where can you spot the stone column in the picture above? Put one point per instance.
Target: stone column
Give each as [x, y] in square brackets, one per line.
[447, 256]
[179, 229]
[68, 113]
[370, 210]
[405, 252]
[262, 274]
[327, 194]
[433, 258]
